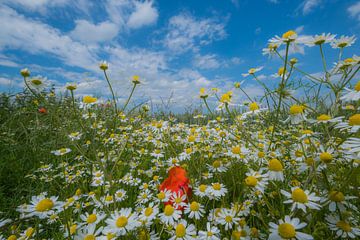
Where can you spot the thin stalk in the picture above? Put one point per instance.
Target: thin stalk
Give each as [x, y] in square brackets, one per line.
[112, 91]
[128, 100]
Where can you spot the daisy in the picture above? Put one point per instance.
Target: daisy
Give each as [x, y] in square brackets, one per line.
[217, 190]
[324, 118]
[88, 232]
[297, 114]
[194, 210]
[352, 95]
[121, 222]
[178, 200]
[343, 41]
[217, 166]
[120, 195]
[201, 190]
[149, 213]
[276, 169]
[252, 71]
[271, 49]
[211, 233]
[256, 180]
[43, 206]
[352, 125]
[337, 200]
[170, 215]
[36, 83]
[183, 231]
[92, 219]
[301, 199]
[227, 217]
[61, 151]
[286, 229]
[320, 39]
[163, 196]
[343, 228]
[3, 222]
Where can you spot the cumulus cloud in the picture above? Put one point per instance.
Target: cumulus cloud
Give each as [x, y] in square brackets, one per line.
[354, 10]
[186, 32]
[145, 14]
[31, 36]
[309, 5]
[88, 32]
[208, 61]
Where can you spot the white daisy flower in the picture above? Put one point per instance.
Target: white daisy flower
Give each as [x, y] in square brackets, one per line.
[352, 95]
[256, 180]
[337, 200]
[228, 218]
[301, 199]
[287, 229]
[92, 219]
[201, 190]
[320, 39]
[342, 228]
[61, 151]
[352, 124]
[88, 232]
[194, 210]
[343, 41]
[170, 215]
[178, 200]
[183, 231]
[276, 169]
[43, 206]
[252, 71]
[149, 213]
[217, 190]
[121, 222]
[211, 233]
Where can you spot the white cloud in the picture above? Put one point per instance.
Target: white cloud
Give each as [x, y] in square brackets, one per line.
[7, 62]
[354, 10]
[309, 5]
[186, 32]
[34, 37]
[208, 61]
[145, 14]
[38, 5]
[88, 32]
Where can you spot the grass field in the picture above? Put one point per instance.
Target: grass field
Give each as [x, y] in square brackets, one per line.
[284, 166]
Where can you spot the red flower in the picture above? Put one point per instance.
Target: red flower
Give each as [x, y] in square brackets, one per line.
[176, 182]
[42, 110]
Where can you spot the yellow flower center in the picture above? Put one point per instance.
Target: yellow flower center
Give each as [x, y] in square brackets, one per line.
[275, 165]
[236, 150]
[194, 206]
[323, 117]
[261, 154]
[29, 232]
[289, 35]
[217, 186]
[202, 188]
[357, 86]
[73, 229]
[36, 82]
[161, 195]
[178, 200]
[228, 219]
[326, 157]
[251, 181]
[121, 222]
[148, 211]
[336, 196]
[344, 226]
[252, 71]
[286, 230]
[253, 106]
[89, 237]
[281, 71]
[12, 237]
[44, 205]
[349, 60]
[91, 218]
[180, 230]
[108, 198]
[309, 161]
[209, 234]
[216, 164]
[169, 210]
[298, 195]
[354, 120]
[296, 109]
[89, 99]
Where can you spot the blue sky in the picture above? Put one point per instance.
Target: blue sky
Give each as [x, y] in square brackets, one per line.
[176, 46]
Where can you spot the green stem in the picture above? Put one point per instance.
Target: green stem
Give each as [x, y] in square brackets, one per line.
[128, 100]
[111, 89]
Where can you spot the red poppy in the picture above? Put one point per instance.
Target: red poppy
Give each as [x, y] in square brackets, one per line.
[42, 110]
[176, 182]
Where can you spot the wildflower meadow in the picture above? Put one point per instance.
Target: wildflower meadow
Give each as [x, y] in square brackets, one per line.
[280, 166]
